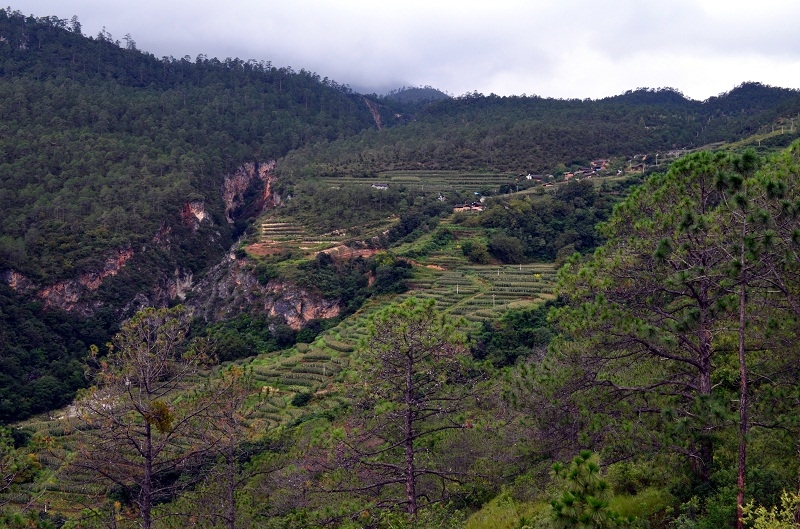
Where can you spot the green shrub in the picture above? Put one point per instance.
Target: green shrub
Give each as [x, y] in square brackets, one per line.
[506, 248]
[265, 272]
[476, 252]
[642, 505]
[301, 399]
[782, 517]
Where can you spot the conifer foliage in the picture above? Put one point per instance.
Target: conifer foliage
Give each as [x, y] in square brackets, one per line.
[414, 392]
[138, 429]
[583, 503]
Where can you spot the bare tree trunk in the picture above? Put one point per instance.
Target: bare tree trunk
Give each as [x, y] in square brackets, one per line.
[744, 278]
[743, 416]
[146, 504]
[231, 507]
[411, 493]
[706, 445]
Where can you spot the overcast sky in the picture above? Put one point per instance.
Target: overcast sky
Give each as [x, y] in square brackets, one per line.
[551, 48]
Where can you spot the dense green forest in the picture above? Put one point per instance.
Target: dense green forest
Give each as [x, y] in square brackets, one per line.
[613, 351]
[42, 354]
[540, 135]
[102, 145]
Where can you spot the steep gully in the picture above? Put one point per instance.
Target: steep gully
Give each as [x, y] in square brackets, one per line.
[225, 290]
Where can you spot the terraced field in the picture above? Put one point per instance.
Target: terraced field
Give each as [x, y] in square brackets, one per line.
[279, 234]
[480, 293]
[477, 293]
[319, 371]
[435, 181]
[66, 495]
[509, 287]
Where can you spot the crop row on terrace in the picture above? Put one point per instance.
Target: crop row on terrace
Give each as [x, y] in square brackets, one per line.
[281, 234]
[440, 181]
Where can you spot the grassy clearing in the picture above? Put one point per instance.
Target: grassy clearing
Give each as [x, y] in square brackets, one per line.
[504, 512]
[645, 504]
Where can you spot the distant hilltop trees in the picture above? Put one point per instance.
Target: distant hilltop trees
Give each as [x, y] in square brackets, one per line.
[416, 96]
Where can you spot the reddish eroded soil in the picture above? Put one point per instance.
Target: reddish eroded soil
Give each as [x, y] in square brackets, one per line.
[261, 249]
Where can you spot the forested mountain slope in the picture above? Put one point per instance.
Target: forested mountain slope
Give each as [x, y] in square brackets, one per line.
[535, 134]
[102, 146]
[122, 178]
[126, 181]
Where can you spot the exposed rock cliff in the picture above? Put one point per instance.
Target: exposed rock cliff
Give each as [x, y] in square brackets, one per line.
[230, 288]
[167, 289]
[159, 273]
[18, 282]
[71, 295]
[249, 190]
[193, 214]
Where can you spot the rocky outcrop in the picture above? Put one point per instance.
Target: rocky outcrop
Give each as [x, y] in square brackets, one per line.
[296, 306]
[70, 295]
[112, 266]
[168, 289]
[180, 285]
[250, 179]
[193, 214]
[18, 282]
[231, 288]
[66, 295]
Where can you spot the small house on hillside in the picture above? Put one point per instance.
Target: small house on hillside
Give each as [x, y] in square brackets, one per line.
[475, 206]
[380, 186]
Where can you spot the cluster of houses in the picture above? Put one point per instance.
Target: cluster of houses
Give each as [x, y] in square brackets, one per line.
[587, 172]
[584, 172]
